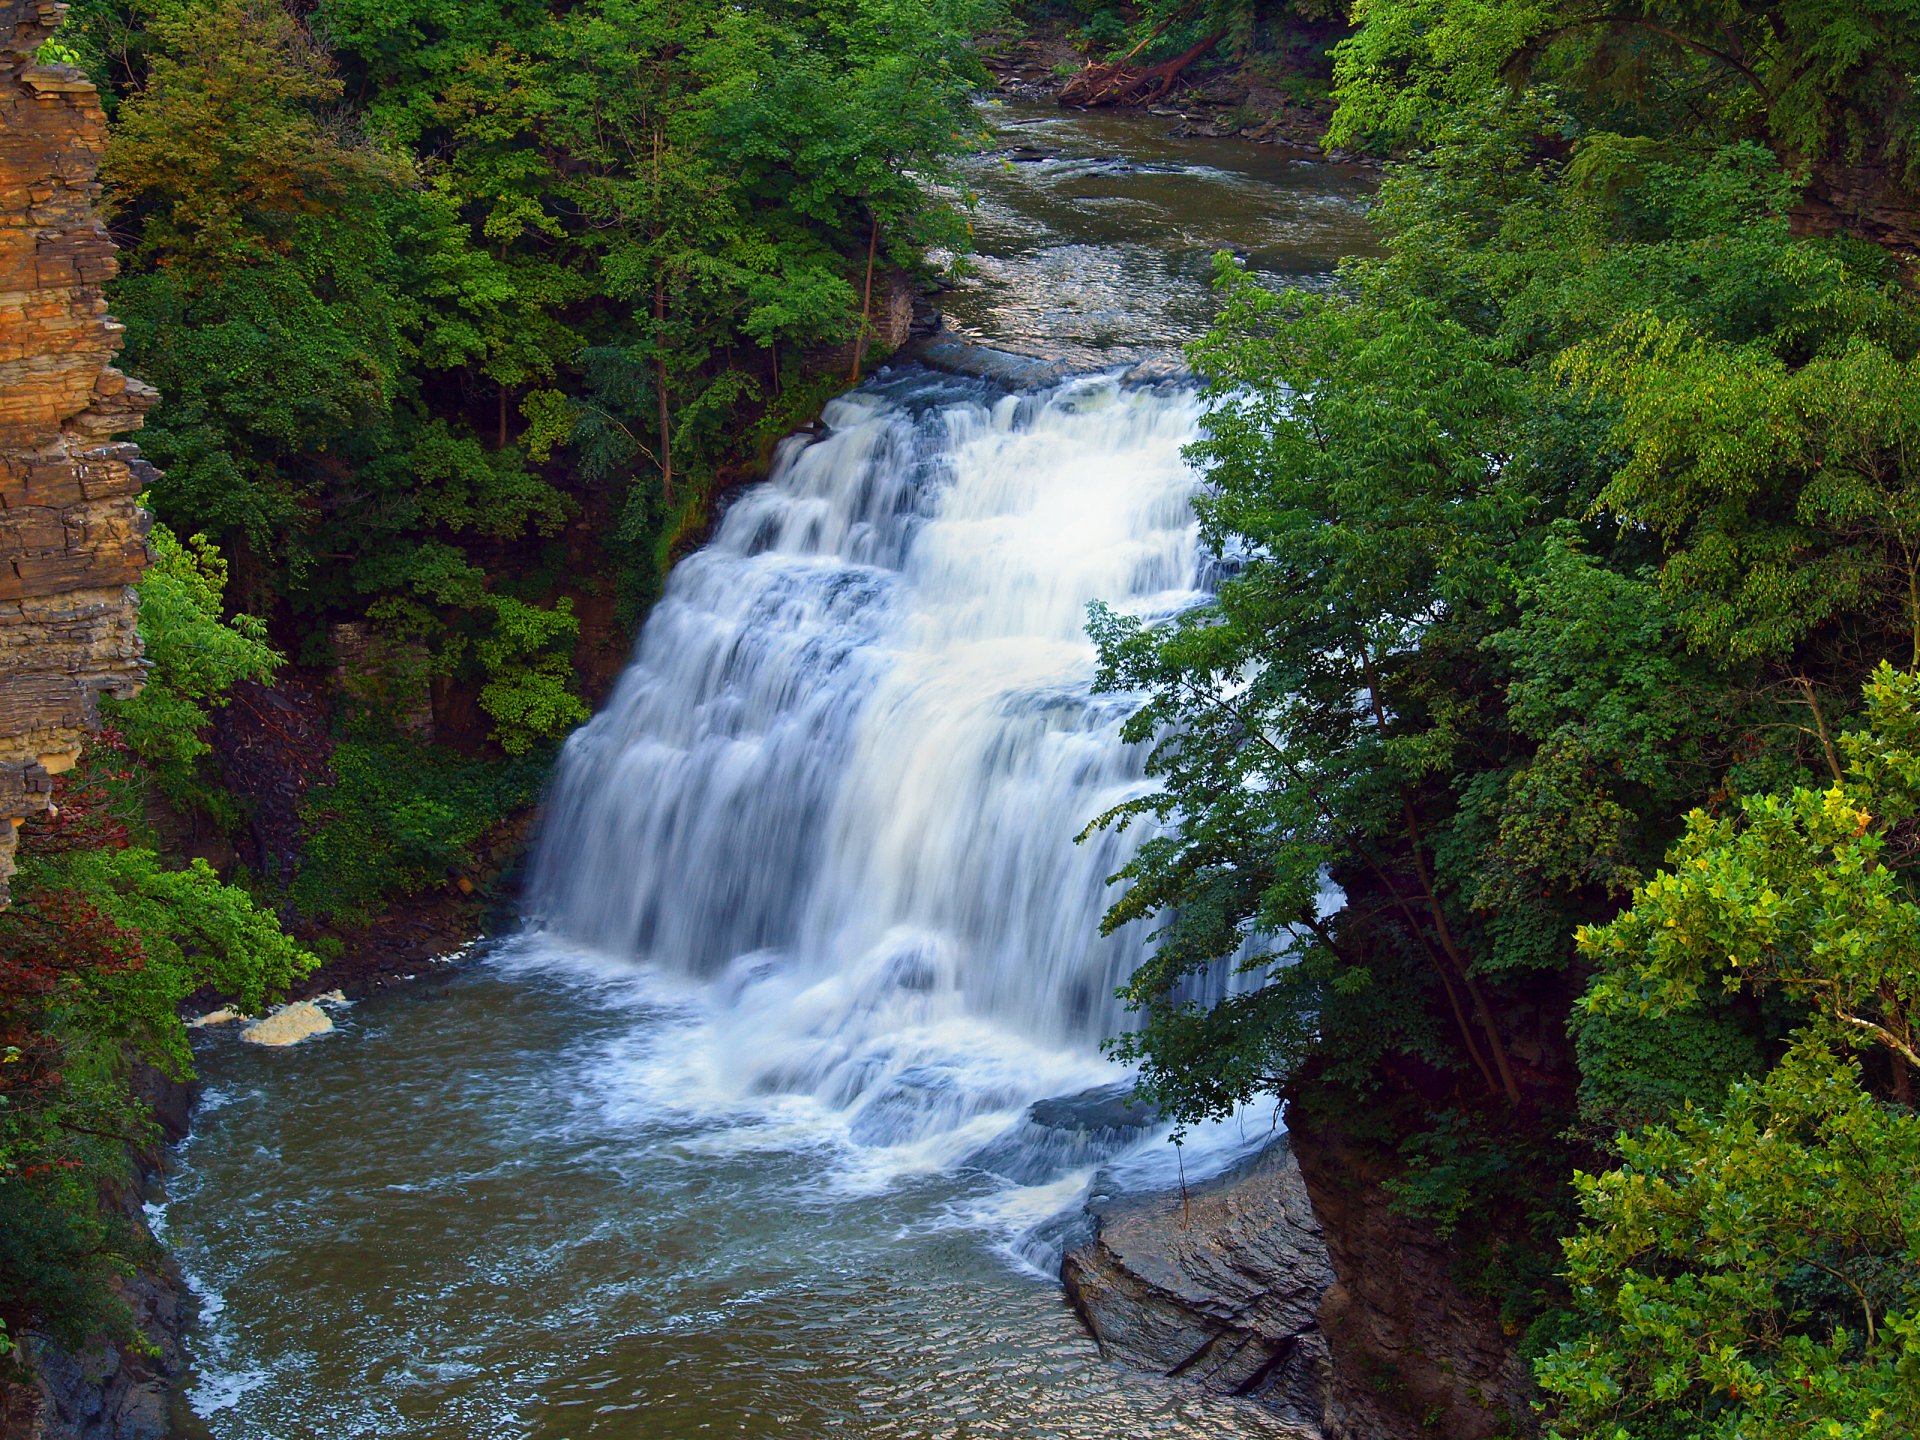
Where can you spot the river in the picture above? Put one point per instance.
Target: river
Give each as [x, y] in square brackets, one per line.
[735, 1138]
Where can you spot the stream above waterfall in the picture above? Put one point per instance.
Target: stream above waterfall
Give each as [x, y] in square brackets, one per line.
[737, 1137]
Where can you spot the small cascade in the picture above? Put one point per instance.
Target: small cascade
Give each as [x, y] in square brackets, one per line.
[838, 788]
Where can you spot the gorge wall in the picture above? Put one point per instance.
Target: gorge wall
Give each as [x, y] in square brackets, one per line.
[72, 534]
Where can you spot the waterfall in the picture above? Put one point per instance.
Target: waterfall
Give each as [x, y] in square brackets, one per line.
[838, 787]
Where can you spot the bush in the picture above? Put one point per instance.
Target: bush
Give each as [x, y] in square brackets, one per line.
[400, 818]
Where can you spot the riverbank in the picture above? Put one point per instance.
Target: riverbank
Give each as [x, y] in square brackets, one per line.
[1274, 99]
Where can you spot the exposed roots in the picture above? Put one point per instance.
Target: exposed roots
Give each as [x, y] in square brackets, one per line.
[1118, 83]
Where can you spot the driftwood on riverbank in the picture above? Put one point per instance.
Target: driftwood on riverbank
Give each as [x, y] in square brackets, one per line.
[1118, 82]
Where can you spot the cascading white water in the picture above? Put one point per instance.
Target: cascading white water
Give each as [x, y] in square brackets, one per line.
[840, 783]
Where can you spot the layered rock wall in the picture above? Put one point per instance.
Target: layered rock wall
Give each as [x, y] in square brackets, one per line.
[1220, 1286]
[1414, 1354]
[72, 535]
[1292, 1280]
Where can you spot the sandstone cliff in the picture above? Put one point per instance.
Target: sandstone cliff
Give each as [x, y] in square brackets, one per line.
[72, 535]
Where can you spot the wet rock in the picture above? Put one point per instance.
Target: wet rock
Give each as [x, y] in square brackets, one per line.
[289, 1025]
[1221, 1287]
[1067, 1133]
[1159, 370]
[948, 352]
[105, 1392]
[110, 1391]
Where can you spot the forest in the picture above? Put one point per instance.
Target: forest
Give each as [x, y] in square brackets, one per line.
[1570, 627]
[1574, 638]
[463, 314]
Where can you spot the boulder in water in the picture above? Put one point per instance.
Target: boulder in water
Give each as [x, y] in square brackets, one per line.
[985, 362]
[288, 1025]
[1221, 1287]
[1066, 1133]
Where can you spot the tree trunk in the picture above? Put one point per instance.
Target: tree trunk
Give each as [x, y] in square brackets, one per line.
[1115, 84]
[1483, 1012]
[503, 415]
[1094, 78]
[660, 387]
[659, 342]
[866, 297]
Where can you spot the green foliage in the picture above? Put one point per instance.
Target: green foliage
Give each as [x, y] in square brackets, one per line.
[372, 242]
[1814, 79]
[1353, 453]
[1750, 1271]
[365, 243]
[1585, 507]
[228, 146]
[194, 657]
[528, 657]
[1807, 895]
[1752, 1268]
[1458, 1173]
[195, 932]
[1637, 1069]
[102, 945]
[399, 819]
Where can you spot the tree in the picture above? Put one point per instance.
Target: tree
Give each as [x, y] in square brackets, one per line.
[1818, 82]
[1750, 1271]
[101, 946]
[1752, 1268]
[194, 656]
[1809, 894]
[1354, 453]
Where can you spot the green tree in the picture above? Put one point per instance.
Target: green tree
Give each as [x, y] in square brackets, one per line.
[1750, 1271]
[1808, 894]
[102, 945]
[194, 658]
[1815, 80]
[1752, 1268]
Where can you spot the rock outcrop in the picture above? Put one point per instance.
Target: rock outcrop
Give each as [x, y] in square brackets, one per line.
[111, 1390]
[288, 1025]
[1414, 1354]
[72, 535]
[1221, 1286]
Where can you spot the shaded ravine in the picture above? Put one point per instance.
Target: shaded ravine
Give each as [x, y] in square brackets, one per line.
[735, 1140]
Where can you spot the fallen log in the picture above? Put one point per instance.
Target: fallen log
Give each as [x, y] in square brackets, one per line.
[1117, 83]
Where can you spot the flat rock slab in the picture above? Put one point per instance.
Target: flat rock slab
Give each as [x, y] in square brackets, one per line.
[1221, 1287]
[288, 1025]
[947, 351]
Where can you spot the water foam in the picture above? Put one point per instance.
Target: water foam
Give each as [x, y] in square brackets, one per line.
[831, 804]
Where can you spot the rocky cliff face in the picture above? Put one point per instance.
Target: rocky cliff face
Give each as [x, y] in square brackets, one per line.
[1292, 1281]
[72, 535]
[1414, 1355]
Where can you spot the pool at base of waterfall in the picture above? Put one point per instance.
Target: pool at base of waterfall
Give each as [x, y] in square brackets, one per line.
[513, 1205]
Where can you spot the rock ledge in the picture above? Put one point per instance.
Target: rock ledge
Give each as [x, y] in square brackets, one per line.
[1221, 1287]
